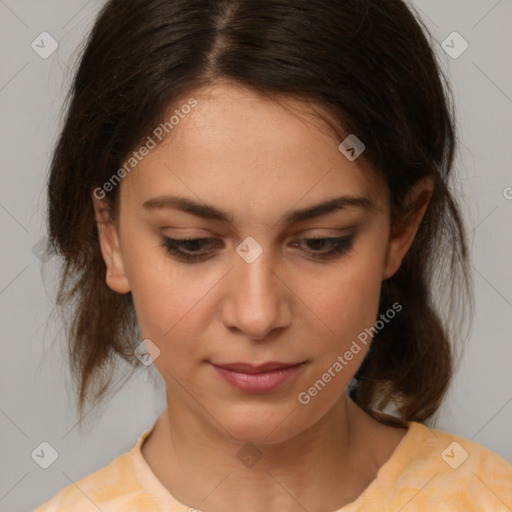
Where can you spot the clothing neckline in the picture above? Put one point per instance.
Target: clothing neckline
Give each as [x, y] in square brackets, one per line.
[386, 474]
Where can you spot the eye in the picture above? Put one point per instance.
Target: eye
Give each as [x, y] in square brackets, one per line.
[192, 249]
[188, 249]
[336, 246]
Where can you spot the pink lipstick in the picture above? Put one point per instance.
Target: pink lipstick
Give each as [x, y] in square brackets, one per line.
[263, 378]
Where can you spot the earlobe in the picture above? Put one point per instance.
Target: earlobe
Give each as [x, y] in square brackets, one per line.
[404, 229]
[108, 235]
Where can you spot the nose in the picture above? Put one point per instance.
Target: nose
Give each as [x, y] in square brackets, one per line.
[256, 300]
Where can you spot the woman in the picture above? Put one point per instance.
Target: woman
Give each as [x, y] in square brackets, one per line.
[254, 197]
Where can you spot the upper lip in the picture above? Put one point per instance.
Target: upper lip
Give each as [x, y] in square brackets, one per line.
[260, 368]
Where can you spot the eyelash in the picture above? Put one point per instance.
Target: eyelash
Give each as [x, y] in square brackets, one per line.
[340, 245]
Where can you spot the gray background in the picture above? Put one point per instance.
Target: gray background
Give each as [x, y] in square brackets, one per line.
[35, 400]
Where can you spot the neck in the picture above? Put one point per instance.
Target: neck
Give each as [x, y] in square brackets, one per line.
[323, 468]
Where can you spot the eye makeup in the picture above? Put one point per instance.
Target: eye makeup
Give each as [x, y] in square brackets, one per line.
[195, 250]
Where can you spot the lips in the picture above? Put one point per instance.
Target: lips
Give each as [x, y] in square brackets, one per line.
[252, 369]
[262, 378]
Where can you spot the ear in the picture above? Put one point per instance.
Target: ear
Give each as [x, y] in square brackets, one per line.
[108, 235]
[404, 229]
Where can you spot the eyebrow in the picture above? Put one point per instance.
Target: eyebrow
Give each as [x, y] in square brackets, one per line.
[206, 211]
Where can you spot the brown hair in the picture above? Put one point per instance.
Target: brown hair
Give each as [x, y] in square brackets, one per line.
[368, 63]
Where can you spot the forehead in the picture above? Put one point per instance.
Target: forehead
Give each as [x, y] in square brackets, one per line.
[245, 152]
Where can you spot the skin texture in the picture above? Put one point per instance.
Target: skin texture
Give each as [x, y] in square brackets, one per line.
[250, 157]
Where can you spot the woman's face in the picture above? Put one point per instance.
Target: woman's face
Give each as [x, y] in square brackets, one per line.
[250, 177]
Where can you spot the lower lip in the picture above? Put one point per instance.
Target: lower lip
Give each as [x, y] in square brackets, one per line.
[258, 382]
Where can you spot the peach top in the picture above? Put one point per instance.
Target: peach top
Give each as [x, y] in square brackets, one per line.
[429, 470]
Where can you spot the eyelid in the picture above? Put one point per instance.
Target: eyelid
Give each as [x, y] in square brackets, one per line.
[171, 245]
[340, 245]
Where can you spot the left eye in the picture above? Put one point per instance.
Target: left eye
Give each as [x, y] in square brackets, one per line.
[191, 249]
[338, 246]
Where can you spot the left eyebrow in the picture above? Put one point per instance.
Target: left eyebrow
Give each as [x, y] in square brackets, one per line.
[206, 211]
[329, 206]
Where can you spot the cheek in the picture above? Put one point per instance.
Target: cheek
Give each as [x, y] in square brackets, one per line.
[170, 304]
[171, 314]
[346, 298]
[347, 304]
[164, 295]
